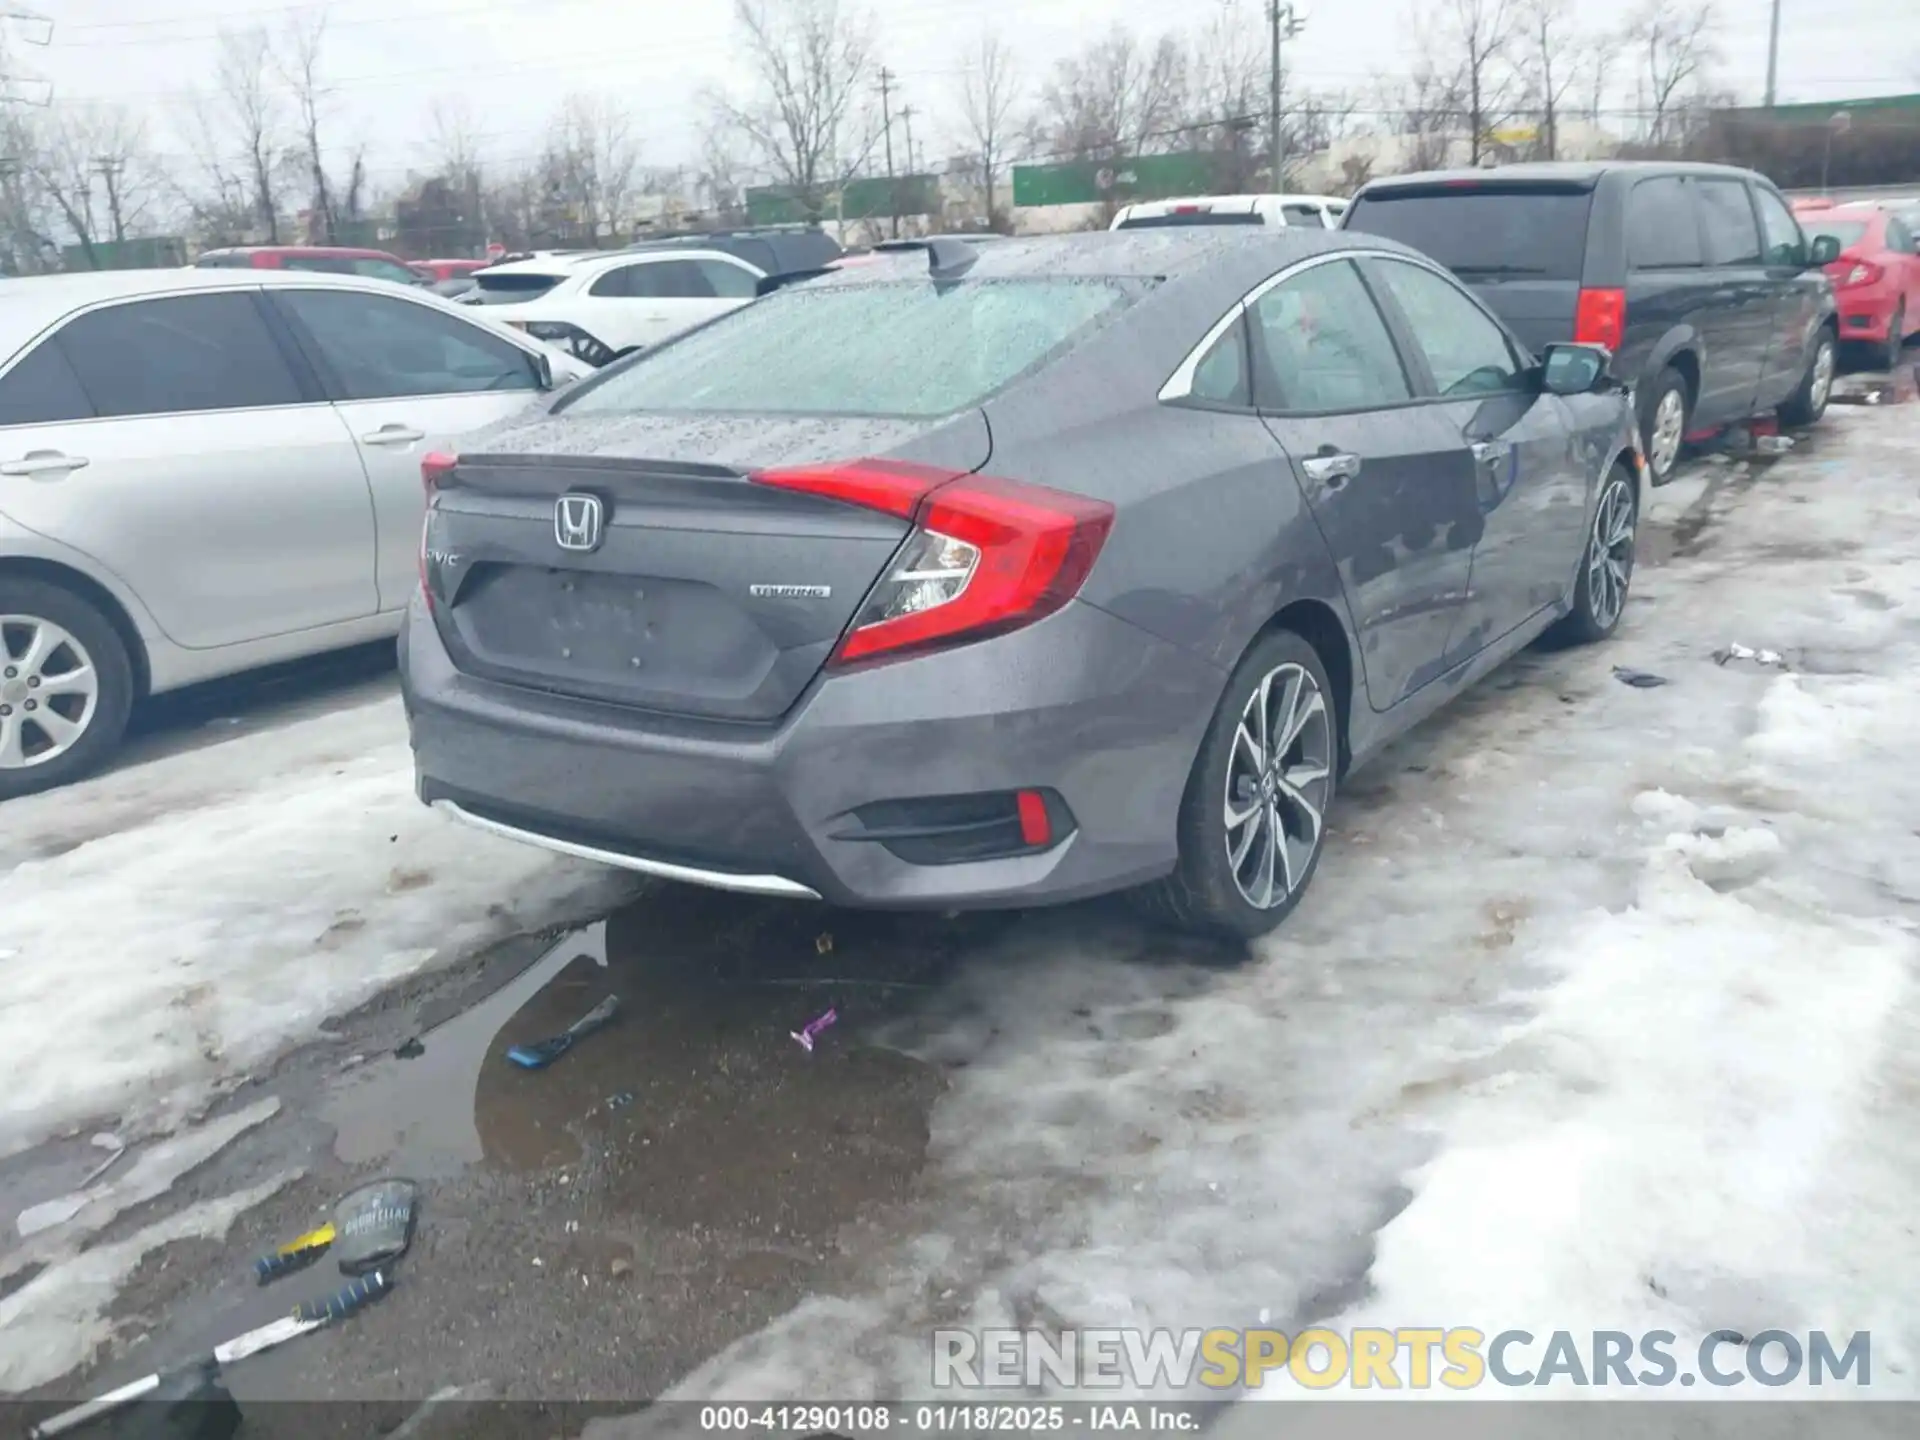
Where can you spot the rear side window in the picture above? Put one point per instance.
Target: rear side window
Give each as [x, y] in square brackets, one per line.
[1661, 233]
[1523, 233]
[1221, 376]
[904, 349]
[1726, 222]
[380, 348]
[667, 280]
[728, 282]
[180, 354]
[1466, 352]
[43, 390]
[1899, 237]
[1325, 346]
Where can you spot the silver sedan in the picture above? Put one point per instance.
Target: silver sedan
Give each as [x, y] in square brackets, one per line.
[203, 471]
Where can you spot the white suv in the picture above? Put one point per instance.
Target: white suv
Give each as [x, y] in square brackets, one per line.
[600, 306]
[1323, 211]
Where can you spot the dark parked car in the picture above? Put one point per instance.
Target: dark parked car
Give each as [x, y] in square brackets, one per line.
[1002, 576]
[1697, 277]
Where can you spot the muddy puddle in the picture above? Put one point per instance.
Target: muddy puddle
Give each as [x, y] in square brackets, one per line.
[598, 1227]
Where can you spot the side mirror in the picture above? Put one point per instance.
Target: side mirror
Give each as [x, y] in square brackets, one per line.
[1574, 369]
[542, 369]
[1826, 250]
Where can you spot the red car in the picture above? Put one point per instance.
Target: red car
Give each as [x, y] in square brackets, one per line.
[1877, 277]
[329, 259]
[435, 270]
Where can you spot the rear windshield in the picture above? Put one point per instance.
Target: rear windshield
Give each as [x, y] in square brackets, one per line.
[1847, 232]
[1524, 234]
[514, 288]
[1194, 217]
[906, 350]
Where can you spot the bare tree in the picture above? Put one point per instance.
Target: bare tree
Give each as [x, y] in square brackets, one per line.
[1673, 43]
[453, 139]
[989, 91]
[1602, 50]
[300, 69]
[718, 185]
[1549, 58]
[92, 165]
[1475, 42]
[802, 120]
[1424, 110]
[1227, 96]
[590, 163]
[1114, 97]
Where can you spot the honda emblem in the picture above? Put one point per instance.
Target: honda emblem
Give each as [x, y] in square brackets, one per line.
[578, 521]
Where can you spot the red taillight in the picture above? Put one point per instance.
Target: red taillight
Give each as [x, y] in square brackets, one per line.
[1601, 318]
[434, 468]
[1035, 827]
[1857, 272]
[1189, 209]
[986, 555]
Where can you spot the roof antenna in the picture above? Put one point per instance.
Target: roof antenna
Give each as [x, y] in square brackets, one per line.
[949, 259]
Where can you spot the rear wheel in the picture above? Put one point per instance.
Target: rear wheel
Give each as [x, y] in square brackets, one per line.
[1896, 338]
[1663, 424]
[1251, 825]
[66, 686]
[1809, 402]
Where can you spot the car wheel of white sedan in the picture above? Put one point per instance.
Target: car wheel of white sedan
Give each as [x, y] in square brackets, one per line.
[66, 686]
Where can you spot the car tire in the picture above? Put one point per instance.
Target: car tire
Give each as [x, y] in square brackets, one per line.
[1896, 338]
[1211, 891]
[47, 632]
[1664, 412]
[1606, 564]
[1809, 399]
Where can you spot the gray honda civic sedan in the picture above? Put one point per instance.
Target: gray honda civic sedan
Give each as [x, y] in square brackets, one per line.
[1005, 576]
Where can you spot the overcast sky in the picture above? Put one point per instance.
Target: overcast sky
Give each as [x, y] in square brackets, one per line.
[512, 60]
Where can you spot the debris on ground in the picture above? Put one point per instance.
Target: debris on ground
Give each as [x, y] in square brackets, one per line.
[823, 943]
[544, 1052]
[620, 1101]
[1639, 679]
[1773, 444]
[1737, 651]
[810, 1031]
[412, 1050]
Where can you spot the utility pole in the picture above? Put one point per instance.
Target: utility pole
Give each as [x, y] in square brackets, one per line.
[1773, 53]
[886, 127]
[1284, 23]
[907, 112]
[109, 170]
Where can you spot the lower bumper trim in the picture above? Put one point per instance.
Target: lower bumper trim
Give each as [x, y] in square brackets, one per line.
[662, 869]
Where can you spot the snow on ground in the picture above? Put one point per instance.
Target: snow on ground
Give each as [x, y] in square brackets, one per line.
[1600, 1013]
[168, 927]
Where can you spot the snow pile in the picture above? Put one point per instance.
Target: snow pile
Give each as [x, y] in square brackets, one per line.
[187, 920]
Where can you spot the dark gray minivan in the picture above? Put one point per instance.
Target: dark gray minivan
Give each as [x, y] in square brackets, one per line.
[1697, 277]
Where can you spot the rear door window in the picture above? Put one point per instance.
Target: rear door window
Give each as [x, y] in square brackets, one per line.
[43, 390]
[902, 349]
[379, 348]
[1661, 231]
[728, 282]
[1484, 230]
[669, 280]
[1324, 346]
[178, 354]
[1727, 226]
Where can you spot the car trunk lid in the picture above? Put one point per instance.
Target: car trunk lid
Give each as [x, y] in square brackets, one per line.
[703, 594]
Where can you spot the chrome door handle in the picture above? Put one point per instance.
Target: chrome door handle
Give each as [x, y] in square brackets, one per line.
[393, 435]
[1331, 468]
[42, 462]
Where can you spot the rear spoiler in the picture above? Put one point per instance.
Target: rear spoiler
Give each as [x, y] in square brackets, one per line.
[770, 283]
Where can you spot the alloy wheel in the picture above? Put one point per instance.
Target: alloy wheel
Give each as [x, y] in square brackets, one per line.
[49, 691]
[1278, 776]
[1669, 426]
[1610, 556]
[1822, 385]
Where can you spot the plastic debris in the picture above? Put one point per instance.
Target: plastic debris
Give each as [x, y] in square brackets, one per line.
[104, 1141]
[823, 943]
[1639, 679]
[1737, 651]
[412, 1050]
[810, 1031]
[620, 1101]
[543, 1053]
[1773, 444]
[49, 1213]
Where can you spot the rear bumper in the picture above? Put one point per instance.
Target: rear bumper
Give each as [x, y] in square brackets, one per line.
[1866, 312]
[1082, 703]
